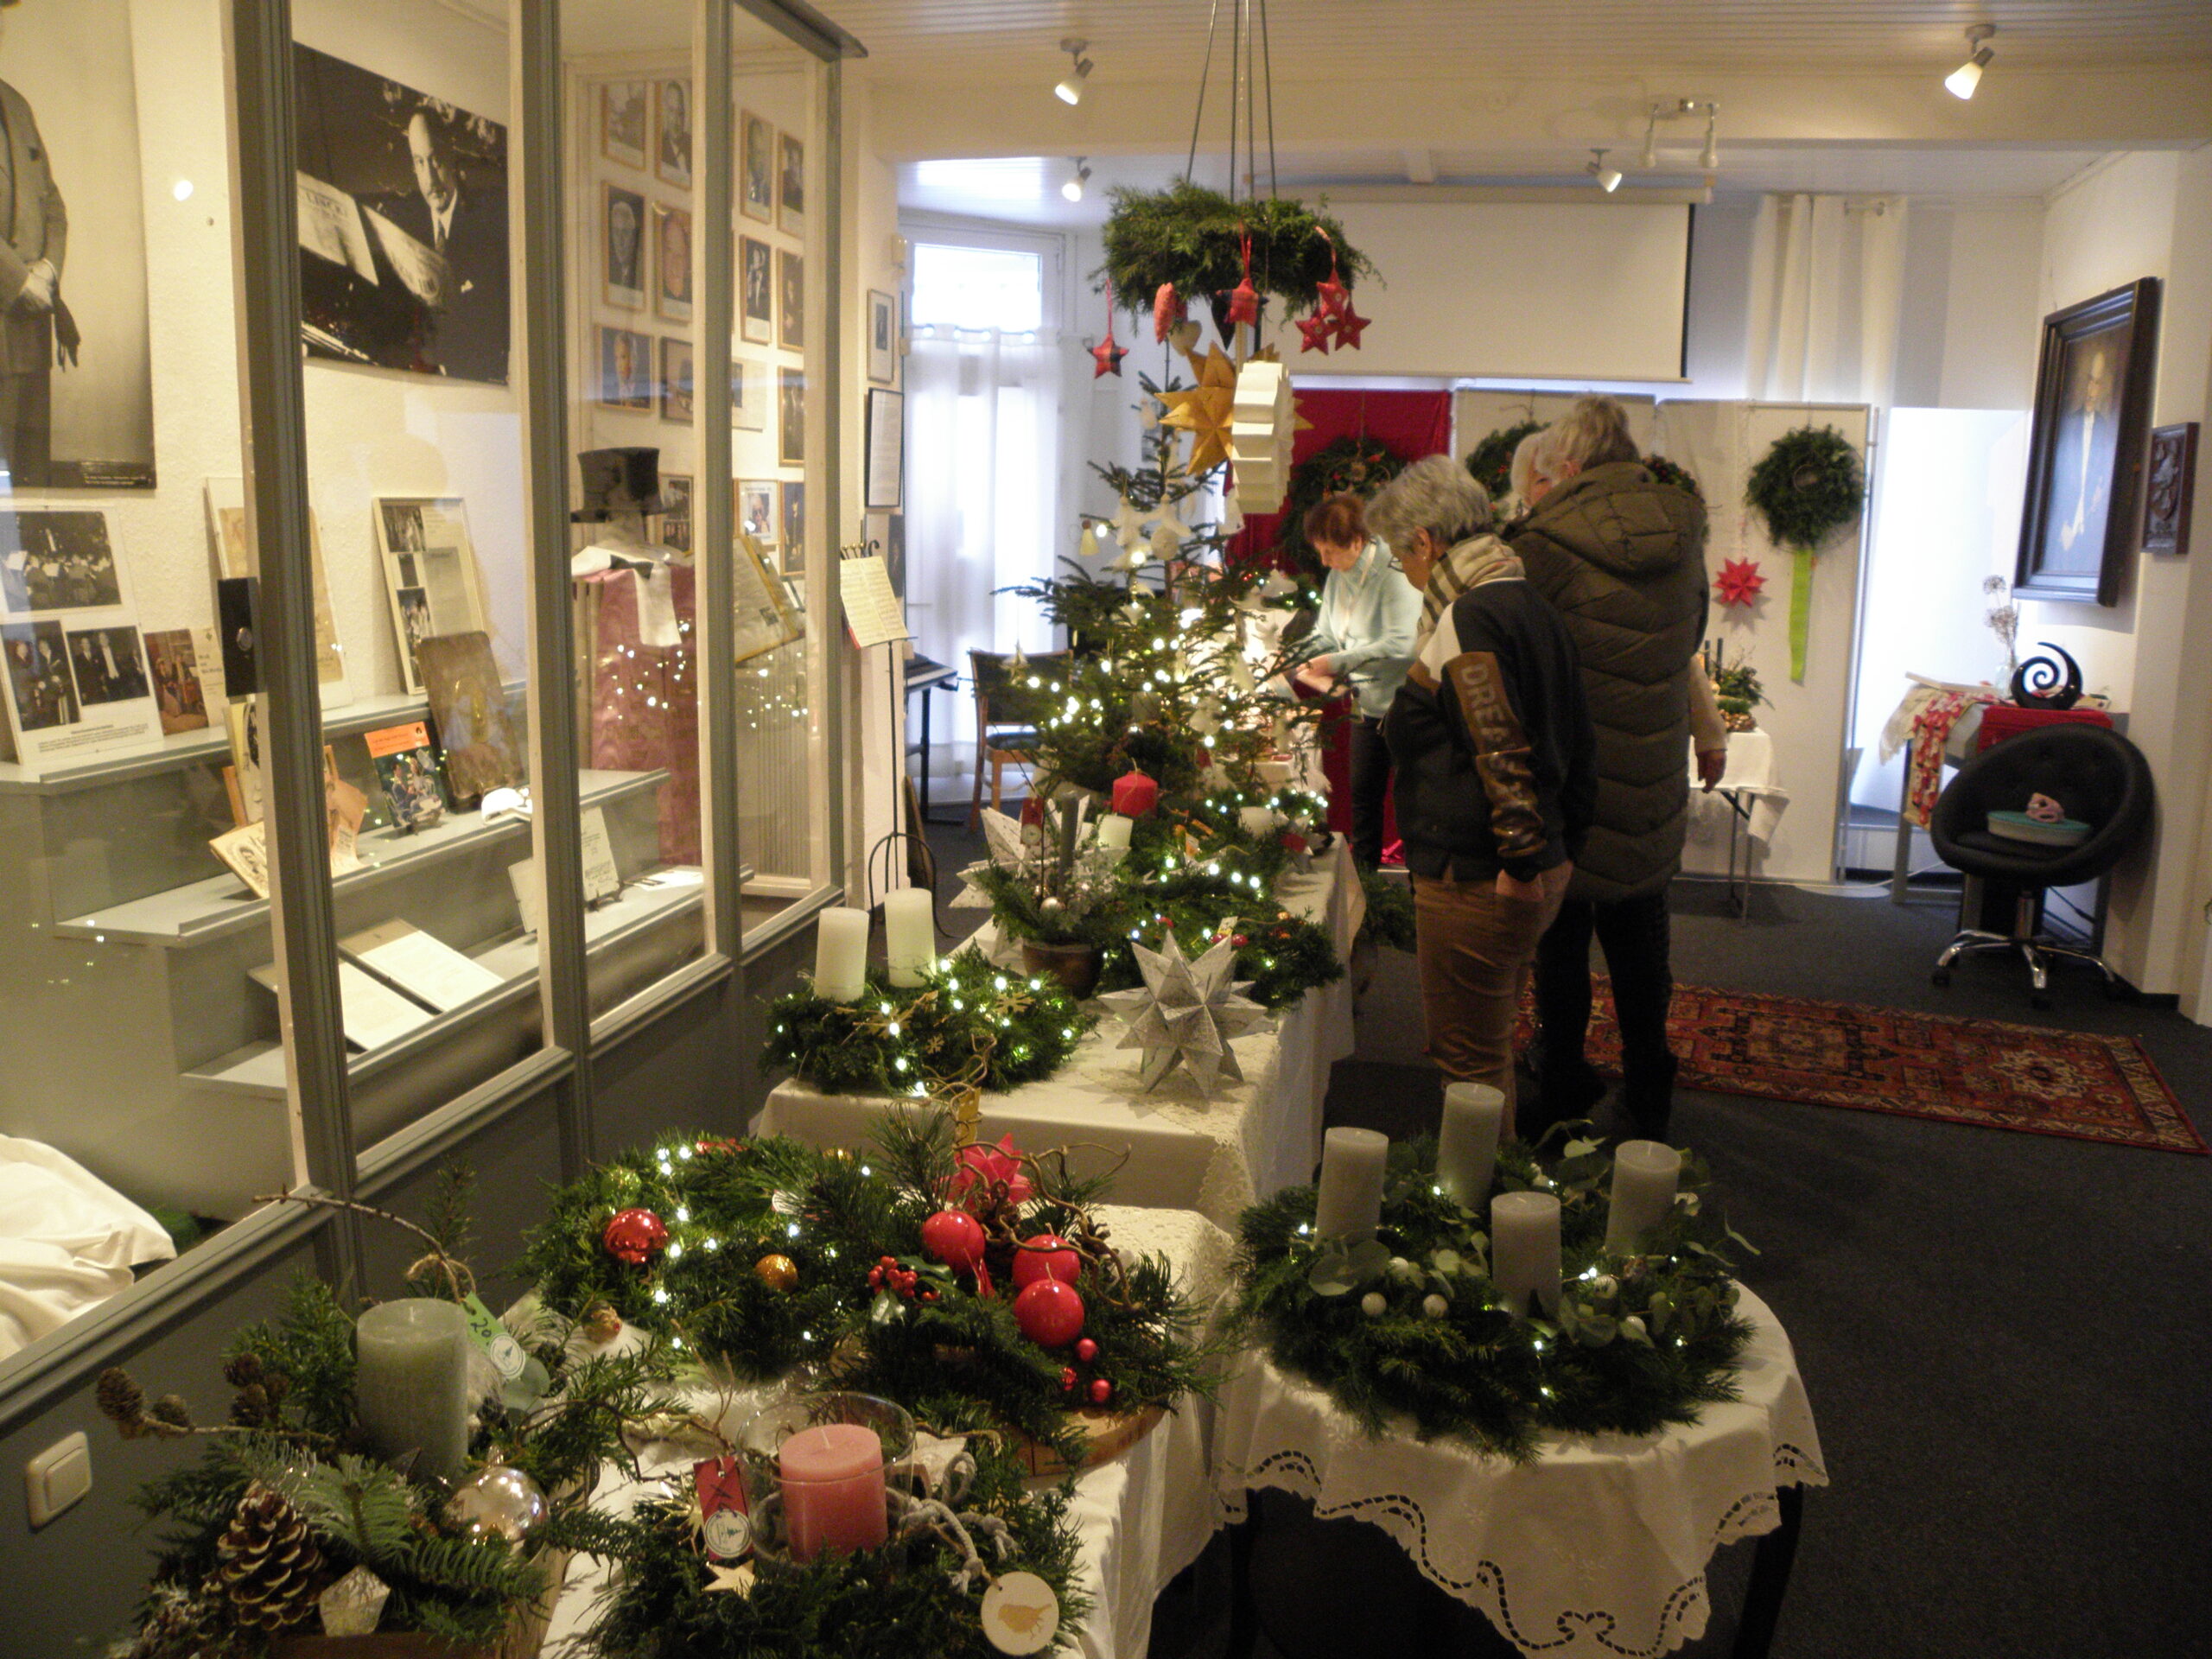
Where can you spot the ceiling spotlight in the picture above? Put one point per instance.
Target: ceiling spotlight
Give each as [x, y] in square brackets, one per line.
[1609, 178]
[1073, 189]
[1070, 90]
[1961, 81]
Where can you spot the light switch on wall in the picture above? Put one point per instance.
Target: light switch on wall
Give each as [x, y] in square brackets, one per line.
[58, 1477]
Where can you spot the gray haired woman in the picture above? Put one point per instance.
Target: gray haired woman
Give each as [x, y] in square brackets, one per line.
[1495, 760]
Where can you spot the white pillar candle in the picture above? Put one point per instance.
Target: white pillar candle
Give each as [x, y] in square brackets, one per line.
[1524, 1249]
[1113, 832]
[1350, 1202]
[1467, 1144]
[1645, 1174]
[1257, 820]
[841, 954]
[910, 934]
[411, 1383]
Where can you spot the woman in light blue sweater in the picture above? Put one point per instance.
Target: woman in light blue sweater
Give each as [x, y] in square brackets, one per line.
[1361, 643]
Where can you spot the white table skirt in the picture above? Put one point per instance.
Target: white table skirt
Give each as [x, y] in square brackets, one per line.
[1751, 775]
[1140, 1518]
[1183, 1151]
[1597, 1548]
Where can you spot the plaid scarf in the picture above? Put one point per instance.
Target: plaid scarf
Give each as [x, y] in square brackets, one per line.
[1469, 564]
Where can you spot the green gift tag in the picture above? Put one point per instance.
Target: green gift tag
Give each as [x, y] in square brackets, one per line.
[523, 1379]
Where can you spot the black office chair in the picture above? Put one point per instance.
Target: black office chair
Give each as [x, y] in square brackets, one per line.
[2099, 778]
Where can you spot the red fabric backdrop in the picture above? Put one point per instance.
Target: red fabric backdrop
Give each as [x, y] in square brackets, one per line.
[1410, 423]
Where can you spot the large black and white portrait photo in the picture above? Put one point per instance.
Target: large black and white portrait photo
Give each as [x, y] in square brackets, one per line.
[403, 224]
[76, 387]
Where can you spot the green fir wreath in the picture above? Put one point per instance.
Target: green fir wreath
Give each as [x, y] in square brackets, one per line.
[1355, 465]
[1808, 485]
[1491, 462]
[1407, 1326]
[1194, 237]
[1675, 474]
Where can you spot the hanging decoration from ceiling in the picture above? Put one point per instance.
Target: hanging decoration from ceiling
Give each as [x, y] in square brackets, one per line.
[1187, 242]
[1261, 435]
[1107, 355]
[1807, 486]
[1204, 410]
[1740, 583]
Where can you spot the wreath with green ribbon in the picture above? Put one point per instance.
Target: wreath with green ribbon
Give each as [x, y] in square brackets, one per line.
[1491, 462]
[1357, 466]
[1809, 485]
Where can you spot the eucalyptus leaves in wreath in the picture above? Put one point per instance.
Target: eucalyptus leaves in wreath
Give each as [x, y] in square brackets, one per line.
[1807, 486]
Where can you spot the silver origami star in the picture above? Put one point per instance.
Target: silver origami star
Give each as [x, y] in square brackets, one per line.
[1187, 1011]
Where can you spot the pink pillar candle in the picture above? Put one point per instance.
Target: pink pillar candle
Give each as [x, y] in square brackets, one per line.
[832, 1480]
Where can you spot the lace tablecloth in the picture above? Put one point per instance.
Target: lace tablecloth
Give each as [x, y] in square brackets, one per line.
[1140, 1518]
[1597, 1548]
[1183, 1151]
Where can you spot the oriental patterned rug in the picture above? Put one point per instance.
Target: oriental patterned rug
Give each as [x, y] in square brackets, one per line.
[1979, 1072]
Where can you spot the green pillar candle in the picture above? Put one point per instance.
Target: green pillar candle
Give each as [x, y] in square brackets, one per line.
[410, 1384]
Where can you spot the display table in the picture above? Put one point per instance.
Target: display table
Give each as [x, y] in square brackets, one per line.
[1597, 1547]
[1140, 1518]
[1750, 793]
[1171, 1148]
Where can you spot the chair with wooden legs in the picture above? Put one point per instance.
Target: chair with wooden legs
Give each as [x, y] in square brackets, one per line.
[1009, 706]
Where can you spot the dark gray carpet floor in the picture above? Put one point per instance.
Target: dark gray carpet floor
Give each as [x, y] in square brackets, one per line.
[2005, 1336]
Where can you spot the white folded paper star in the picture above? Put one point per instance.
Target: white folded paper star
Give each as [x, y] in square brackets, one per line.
[1186, 1013]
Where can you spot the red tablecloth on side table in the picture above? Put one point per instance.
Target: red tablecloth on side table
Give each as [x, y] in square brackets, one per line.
[2002, 719]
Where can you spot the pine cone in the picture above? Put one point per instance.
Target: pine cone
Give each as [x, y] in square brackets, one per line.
[120, 1399]
[249, 1409]
[171, 1415]
[178, 1624]
[270, 1568]
[242, 1370]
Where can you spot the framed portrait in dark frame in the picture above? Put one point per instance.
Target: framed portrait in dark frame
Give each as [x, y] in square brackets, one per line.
[2085, 450]
[2170, 479]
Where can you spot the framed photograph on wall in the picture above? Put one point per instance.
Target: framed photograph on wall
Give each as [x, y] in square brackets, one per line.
[625, 110]
[672, 133]
[791, 300]
[882, 338]
[791, 184]
[756, 510]
[430, 573]
[793, 492]
[756, 290]
[887, 448]
[2169, 480]
[626, 369]
[675, 381]
[675, 511]
[756, 176]
[748, 394]
[672, 262]
[2085, 449]
[622, 248]
[791, 416]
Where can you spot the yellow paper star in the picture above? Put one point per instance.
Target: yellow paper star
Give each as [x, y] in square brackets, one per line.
[1205, 411]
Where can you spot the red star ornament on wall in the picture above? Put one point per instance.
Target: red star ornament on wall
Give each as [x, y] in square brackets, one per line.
[1740, 583]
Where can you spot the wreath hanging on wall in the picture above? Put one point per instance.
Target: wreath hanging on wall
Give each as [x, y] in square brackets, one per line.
[1672, 472]
[1193, 239]
[1357, 465]
[1809, 486]
[1491, 462]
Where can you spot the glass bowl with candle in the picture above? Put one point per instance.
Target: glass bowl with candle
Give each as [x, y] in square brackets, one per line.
[819, 1472]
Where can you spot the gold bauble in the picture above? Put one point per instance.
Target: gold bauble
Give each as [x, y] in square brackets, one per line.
[777, 1272]
[602, 1323]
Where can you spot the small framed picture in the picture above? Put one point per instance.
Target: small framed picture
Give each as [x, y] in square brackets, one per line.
[756, 290]
[672, 262]
[623, 109]
[675, 381]
[882, 338]
[791, 300]
[791, 184]
[675, 511]
[756, 196]
[748, 394]
[886, 449]
[793, 492]
[672, 133]
[2169, 480]
[623, 248]
[626, 374]
[791, 411]
[756, 510]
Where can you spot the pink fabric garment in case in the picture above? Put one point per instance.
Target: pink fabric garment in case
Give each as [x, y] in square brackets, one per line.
[645, 701]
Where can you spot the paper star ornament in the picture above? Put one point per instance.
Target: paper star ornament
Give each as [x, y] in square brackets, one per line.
[1186, 1013]
[1740, 583]
[1205, 411]
[1003, 839]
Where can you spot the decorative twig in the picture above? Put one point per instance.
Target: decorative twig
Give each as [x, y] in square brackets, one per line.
[455, 1269]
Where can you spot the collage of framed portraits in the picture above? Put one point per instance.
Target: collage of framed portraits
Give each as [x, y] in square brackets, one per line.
[770, 394]
[644, 248]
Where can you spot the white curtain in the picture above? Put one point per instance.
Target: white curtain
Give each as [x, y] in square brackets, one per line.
[1828, 283]
[983, 470]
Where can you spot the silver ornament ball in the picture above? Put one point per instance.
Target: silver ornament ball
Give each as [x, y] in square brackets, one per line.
[497, 1500]
[1435, 1306]
[1373, 1305]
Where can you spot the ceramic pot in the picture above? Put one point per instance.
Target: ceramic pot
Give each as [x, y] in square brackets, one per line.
[1075, 966]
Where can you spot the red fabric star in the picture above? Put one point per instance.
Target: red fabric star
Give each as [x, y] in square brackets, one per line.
[1314, 331]
[1166, 312]
[1329, 297]
[1108, 355]
[1244, 304]
[1740, 582]
[1349, 325]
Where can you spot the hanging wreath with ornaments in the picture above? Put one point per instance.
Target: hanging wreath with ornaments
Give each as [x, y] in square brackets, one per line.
[1358, 465]
[1809, 486]
[1168, 249]
[1675, 474]
[1491, 462]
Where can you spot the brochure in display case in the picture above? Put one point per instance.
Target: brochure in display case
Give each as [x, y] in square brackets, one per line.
[78, 684]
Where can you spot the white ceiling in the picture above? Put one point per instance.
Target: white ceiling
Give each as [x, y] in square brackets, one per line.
[1150, 40]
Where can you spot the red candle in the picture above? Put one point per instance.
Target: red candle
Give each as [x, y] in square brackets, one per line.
[832, 1481]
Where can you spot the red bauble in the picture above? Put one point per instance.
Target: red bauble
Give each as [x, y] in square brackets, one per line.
[1067, 1379]
[953, 1237]
[1101, 1392]
[1086, 1350]
[1045, 1256]
[1050, 1313]
[631, 1236]
[1135, 794]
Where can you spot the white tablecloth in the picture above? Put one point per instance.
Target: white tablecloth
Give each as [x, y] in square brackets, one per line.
[1598, 1547]
[1750, 776]
[1183, 1152]
[1140, 1518]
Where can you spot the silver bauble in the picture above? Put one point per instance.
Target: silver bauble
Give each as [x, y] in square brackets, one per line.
[497, 1500]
